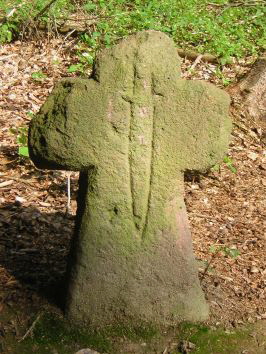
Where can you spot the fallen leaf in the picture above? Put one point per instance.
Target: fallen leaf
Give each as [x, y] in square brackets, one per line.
[252, 155]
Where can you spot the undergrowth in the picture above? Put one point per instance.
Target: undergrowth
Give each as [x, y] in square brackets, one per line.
[225, 28]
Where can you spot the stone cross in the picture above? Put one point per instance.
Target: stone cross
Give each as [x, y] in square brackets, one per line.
[132, 129]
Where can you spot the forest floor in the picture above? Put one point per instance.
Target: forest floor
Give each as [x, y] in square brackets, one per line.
[226, 207]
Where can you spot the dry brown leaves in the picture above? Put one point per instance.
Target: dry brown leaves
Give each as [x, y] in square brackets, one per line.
[225, 209]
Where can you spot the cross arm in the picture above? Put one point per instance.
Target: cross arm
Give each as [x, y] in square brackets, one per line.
[59, 135]
[205, 125]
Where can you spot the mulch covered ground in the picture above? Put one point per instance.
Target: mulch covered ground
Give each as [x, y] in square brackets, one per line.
[226, 209]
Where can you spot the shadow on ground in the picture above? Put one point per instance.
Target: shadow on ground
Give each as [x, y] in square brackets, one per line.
[34, 247]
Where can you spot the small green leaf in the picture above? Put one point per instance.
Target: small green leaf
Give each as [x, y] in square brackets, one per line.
[233, 252]
[214, 248]
[22, 139]
[38, 75]
[96, 34]
[227, 159]
[30, 114]
[232, 168]
[75, 67]
[23, 151]
[229, 163]
[107, 40]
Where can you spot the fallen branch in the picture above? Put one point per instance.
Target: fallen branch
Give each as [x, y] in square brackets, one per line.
[44, 10]
[192, 55]
[87, 18]
[69, 25]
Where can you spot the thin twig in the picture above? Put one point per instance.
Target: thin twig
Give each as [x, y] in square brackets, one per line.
[29, 331]
[209, 264]
[68, 192]
[32, 20]
[213, 4]
[198, 59]
[68, 35]
[203, 216]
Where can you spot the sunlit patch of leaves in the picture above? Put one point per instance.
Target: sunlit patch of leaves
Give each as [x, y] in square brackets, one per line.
[220, 27]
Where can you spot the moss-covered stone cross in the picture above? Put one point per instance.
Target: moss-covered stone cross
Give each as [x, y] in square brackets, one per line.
[132, 130]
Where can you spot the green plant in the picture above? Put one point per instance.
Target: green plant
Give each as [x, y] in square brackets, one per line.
[85, 58]
[6, 32]
[86, 50]
[218, 27]
[21, 134]
[230, 164]
[215, 249]
[30, 114]
[221, 27]
[76, 68]
[14, 15]
[222, 77]
[38, 76]
[226, 251]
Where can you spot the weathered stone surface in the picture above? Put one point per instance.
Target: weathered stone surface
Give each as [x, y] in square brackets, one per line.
[132, 130]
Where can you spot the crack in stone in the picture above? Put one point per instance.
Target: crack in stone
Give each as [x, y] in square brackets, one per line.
[141, 221]
[153, 90]
[130, 142]
[151, 162]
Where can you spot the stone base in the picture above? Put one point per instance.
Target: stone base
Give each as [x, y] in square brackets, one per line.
[153, 283]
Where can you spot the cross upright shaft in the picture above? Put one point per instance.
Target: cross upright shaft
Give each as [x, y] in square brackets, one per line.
[132, 130]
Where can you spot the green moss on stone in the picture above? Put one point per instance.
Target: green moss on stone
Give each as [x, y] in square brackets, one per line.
[133, 128]
[54, 334]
